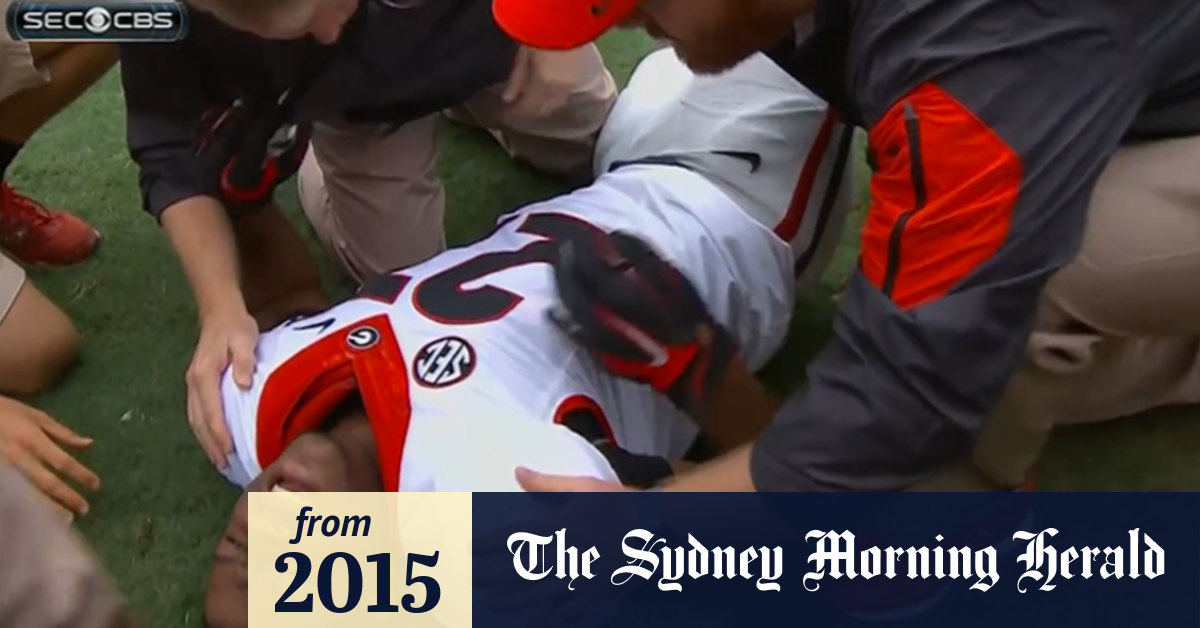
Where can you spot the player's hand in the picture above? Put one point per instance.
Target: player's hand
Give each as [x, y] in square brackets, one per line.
[227, 339]
[541, 80]
[33, 443]
[642, 318]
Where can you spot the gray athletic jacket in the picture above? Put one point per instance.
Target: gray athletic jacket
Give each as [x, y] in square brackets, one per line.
[989, 122]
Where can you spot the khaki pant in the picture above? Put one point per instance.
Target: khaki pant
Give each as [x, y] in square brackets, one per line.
[48, 577]
[374, 196]
[1118, 331]
[12, 277]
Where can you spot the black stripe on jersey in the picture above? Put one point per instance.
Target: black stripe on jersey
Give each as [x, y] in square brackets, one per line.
[832, 189]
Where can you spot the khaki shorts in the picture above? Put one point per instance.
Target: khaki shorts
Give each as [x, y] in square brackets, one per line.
[374, 196]
[12, 277]
[17, 70]
[1118, 329]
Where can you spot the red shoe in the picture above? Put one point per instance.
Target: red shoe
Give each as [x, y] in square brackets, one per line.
[36, 235]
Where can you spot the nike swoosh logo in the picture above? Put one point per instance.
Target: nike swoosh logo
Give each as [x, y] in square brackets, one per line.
[320, 326]
[754, 159]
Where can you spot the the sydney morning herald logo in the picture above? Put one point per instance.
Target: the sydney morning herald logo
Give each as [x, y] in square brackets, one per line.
[116, 20]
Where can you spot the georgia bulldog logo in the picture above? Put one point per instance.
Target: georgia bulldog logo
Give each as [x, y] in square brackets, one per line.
[362, 338]
[444, 362]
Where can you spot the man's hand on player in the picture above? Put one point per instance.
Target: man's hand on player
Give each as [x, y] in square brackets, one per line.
[534, 482]
[227, 338]
[641, 318]
[32, 442]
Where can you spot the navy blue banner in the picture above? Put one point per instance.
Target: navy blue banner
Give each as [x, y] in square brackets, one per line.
[914, 559]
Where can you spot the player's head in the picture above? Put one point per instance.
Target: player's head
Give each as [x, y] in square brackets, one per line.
[283, 19]
[341, 458]
[710, 35]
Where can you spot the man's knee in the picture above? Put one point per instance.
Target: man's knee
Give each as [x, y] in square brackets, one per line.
[557, 137]
[1092, 356]
[59, 349]
[377, 215]
[40, 344]
[562, 141]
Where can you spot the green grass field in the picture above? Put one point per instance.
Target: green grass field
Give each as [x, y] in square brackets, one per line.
[162, 506]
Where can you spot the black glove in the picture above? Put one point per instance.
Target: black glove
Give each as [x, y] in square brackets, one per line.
[641, 318]
[244, 152]
[636, 470]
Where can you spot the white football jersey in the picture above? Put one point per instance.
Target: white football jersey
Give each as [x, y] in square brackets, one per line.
[462, 373]
[464, 377]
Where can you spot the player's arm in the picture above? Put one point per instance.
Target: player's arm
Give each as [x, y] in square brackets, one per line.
[642, 319]
[645, 321]
[738, 410]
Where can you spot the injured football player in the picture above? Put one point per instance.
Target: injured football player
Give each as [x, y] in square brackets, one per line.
[448, 375]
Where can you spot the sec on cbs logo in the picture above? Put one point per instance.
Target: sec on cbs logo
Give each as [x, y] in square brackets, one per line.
[121, 21]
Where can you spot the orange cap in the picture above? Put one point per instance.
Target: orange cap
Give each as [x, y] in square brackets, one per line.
[559, 24]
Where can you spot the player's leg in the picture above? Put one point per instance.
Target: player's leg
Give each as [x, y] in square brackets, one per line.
[36, 82]
[557, 137]
[279, 275]
[39, 340]
[373, 194]
[1119, 328]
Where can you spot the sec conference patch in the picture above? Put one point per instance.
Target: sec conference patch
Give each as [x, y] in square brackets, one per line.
[444, 362]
